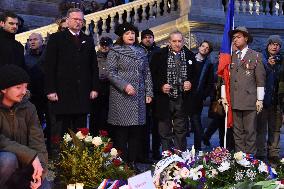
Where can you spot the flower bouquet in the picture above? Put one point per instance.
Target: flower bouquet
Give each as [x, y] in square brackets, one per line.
[89, 160]
[216, 169]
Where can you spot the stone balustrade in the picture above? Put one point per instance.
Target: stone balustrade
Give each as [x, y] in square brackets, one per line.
[143, 13]
[258, 7]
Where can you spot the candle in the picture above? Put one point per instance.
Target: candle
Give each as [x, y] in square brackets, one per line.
[79, 185]
[71, 186]
[193, 151]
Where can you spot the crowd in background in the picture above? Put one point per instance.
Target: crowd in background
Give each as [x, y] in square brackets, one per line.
[131, 89]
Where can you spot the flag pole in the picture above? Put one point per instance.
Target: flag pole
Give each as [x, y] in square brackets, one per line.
[226, 122]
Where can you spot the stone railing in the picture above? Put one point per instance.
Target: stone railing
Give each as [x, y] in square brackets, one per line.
[143, 13]
[258, 7]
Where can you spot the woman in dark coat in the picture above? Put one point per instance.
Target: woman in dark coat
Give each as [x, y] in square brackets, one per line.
[130, 90]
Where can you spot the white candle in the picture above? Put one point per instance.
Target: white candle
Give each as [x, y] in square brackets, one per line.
[71, 186]
[193, 151]
[79, 185]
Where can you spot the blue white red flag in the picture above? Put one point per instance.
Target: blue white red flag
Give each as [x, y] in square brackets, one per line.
[225, 58]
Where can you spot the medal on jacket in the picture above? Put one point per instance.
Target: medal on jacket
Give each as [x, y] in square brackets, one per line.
[247, 70]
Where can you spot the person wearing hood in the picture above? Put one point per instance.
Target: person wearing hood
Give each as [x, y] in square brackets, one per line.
[247, 82]
[23, 154]
[11, 51]
[98, 117]
[269, 120]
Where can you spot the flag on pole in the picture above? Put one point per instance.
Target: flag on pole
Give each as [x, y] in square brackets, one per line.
[225, 58]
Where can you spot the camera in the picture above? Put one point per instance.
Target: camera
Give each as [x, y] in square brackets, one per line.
[277, 58]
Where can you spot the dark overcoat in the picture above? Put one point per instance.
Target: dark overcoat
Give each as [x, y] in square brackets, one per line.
[11, 51]
[158, 66]
[71, 71]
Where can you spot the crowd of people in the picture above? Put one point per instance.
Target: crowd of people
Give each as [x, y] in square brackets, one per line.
[130, 89]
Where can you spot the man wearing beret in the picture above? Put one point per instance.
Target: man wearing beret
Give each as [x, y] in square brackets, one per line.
[270, 117]
[23, 155]
[247, 81]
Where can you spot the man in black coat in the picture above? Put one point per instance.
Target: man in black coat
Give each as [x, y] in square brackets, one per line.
[171, 70]
[11, 51]
[71, 74]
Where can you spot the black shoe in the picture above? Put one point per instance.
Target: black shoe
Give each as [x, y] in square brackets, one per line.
[206, 141]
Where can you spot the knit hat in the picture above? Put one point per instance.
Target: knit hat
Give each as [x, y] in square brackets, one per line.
[274, 39]
[106, 41]
[146, 32]
[122, 28]
[11, 75]
[243, 30]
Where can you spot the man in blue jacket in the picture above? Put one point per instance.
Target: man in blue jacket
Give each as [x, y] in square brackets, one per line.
[270, 118]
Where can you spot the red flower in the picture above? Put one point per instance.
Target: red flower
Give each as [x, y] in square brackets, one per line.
[203, 172]
[255, 162]
[282, 181]
[116, 162]
[103, 133]
[180, 165]
[108, 147]
[55, 139]
[84, 131]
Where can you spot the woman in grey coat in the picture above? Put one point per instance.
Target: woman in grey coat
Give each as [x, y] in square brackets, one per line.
[130, 90]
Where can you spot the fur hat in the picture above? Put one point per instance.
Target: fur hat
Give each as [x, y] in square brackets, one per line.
[11, 75]
[146, 32]
[243, 30]
[274, 39]
[122, 28]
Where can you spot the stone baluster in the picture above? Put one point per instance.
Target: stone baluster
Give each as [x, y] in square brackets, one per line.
[128, 18]
[237, 6]
[151, 10]
[171, 5]
[253, 8]
[136, 16]
[112, 21]
[87, 31]
[281, 7]
[104, 26]
[267, 9]
[259, 7]
[120, 20]
[249, 7]
[165, 7]
[158, 7]
[274, 8]
[144, 15]
[243, 6]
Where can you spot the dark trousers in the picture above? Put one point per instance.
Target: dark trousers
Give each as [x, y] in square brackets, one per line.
[219, 123]
[174, 128]
[99, 114]
[195, 120]
[269, 122]
[63, 123]
[245, 130]
[128, 139]
[150, 127]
